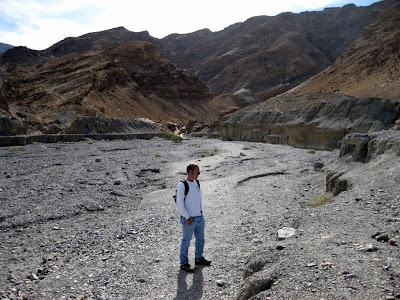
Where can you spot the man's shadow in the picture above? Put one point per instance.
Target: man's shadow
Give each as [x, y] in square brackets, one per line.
[193, 292]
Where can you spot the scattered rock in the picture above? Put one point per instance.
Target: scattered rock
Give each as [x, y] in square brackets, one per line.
[286, 232]
[312, 265]
[220, 283]
[367, 248]
[318, 166]
[33, 277]
[383, 237]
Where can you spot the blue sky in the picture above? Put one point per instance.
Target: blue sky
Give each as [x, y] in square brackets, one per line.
[38, 24]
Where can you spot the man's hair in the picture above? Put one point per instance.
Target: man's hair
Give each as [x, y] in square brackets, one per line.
[191, 167]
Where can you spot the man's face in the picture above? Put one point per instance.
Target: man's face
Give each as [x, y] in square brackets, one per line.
[196, 172]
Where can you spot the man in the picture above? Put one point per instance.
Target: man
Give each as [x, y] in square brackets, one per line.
[190, 207]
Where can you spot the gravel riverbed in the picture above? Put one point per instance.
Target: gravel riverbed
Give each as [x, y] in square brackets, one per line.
[96, 220]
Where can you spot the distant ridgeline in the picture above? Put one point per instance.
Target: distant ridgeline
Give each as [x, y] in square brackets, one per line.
[5, 47]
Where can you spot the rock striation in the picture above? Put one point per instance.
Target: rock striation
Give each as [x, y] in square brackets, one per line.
[130, 81]
[323, 126]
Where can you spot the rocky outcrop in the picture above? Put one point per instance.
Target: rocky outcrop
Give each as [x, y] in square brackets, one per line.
[3, 96]
[10, 126]
[323, 126]
[83, 125]
[366, 146]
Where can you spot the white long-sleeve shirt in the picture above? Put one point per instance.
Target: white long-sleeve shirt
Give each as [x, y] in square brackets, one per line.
[191, 206]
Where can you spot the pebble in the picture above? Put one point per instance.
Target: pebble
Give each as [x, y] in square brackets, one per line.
[286, 232]
[367, 248]
[33, 276]
[220, 282]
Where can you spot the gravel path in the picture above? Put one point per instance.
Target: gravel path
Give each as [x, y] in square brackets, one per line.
[96, 220]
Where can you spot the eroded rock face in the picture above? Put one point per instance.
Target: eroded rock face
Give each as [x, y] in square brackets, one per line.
[364, 147]
[10, 126]
[3, 101]
[323, 126]
[84, 125]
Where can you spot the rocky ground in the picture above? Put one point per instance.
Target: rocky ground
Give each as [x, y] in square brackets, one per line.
[96, 220]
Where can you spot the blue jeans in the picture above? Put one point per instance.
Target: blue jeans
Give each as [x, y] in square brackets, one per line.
[196, 228]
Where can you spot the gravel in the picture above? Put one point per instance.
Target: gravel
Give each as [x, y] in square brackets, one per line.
[96, 220]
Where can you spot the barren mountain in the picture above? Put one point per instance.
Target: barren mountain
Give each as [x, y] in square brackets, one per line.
[111, 74]
[370, 67]
[348, 97]
[130, 81]
[255, 59]
[265, 56]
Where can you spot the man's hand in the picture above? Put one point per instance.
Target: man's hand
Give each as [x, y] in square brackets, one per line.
[189, 221]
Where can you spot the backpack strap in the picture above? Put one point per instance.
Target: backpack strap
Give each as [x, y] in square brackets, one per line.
[186, 187]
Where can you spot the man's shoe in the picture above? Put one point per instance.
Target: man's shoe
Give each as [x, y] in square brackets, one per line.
[186, 267]
[202, 261]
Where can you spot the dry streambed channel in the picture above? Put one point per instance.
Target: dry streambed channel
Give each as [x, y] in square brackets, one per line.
[96, 220]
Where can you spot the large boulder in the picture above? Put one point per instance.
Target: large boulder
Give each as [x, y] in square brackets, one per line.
[323, 126]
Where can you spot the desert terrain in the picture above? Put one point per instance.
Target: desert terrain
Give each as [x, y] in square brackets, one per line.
[96, 220]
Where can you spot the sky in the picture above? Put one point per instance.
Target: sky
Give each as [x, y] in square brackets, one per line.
[38, 24]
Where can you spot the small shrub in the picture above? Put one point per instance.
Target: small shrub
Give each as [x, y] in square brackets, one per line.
[207, 153]
[17, 148]
[311, 152]
[173, 137]
[321, 199]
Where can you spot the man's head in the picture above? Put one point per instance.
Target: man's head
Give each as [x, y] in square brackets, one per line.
[193, 171]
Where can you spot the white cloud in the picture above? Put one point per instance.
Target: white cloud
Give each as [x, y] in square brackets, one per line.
[39, 24]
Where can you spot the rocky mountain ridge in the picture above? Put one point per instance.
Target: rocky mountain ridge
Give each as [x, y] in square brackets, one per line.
[370, 67]
[322, 111]
[283, 50]
[129, 81]
[253, 60]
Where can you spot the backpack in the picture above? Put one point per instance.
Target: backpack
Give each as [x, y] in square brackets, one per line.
[186, 188]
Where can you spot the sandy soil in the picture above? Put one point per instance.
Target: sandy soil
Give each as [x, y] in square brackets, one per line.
[96, 220]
